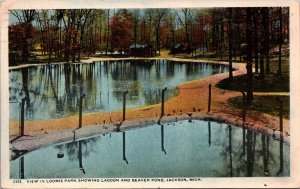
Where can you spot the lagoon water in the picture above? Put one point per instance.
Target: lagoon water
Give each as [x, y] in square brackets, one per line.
[53, 90]
[179, 149]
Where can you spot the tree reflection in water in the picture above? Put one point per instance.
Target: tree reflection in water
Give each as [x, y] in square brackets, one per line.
[21, 168]
[265, 151]
[55, 87]
[240, 163]
[223, 158]
[72, 148]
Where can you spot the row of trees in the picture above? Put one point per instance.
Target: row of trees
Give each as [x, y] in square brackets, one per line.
[222, 32]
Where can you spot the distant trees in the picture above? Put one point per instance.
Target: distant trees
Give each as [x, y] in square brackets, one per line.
[214, 32]
[25, 19]
[48, 29]
[121, 27]
[158, 15]
[186, 22]
[107, 34]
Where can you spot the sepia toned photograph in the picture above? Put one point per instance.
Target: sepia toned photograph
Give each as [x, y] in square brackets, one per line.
[155, 95]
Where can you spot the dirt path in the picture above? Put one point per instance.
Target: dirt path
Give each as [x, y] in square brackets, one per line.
[271, 93]
[192, 97]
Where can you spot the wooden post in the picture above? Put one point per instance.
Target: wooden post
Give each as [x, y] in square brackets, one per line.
[80, 110]
[124, 104]
[163, 102]
[209, 97]
[22, 128]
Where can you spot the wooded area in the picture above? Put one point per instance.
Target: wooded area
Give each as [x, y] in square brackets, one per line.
[217, 32]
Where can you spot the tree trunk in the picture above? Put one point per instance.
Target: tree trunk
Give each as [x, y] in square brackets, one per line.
[157, 40]
[280, 41]
[261, 65]
[230, 43]
[267, 38]
[249, 34]
[255, 15]
[107, 36]
[222, 36]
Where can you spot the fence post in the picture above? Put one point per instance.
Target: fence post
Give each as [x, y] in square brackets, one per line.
[22, 128]
[124, 104]
[209, 97]
[280, 116]
[163, 102]
[80, 110]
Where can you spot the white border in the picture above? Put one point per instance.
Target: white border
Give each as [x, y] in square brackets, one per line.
[292, 181]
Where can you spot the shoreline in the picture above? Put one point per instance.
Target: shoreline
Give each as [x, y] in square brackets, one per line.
[24, 145]
[96, 59]
[192, 98]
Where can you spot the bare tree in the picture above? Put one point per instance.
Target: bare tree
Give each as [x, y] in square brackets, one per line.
[25, 18]
[249, 33]
[186, 19]
[230, 42]
[280, 41]
[107, 34]
[158, 13]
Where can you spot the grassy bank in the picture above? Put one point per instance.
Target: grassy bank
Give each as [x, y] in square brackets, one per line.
[264, 104]
[272, 83]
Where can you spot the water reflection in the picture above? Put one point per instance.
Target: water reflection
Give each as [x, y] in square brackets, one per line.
[265, 151]
[124, 147]
[21, 164]
[188, 154]
[53, 90]
[74, 150]
[162, 139]
[80, 157]
[250, 153]
[281, 157]
[209, 134]
[230, 149]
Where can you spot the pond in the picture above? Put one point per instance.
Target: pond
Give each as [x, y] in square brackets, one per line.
[178, 149]
[53, 90]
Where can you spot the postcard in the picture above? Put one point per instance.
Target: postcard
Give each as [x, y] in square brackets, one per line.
[109, 94]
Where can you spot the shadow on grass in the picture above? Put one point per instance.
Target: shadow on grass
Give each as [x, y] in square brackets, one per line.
[264, 104]
[270, 83]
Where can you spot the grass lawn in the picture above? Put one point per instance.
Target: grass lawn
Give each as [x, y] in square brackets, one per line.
[271, 82]
[265, 104]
